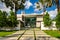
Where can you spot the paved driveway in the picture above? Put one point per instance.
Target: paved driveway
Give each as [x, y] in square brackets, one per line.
[29, 34]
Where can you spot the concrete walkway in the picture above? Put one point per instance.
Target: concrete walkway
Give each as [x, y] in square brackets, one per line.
[29, 35]
[14, 36]
[40, 35]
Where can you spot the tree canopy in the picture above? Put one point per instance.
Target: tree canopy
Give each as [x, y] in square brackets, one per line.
[48, 3]
[58, 20]
[47, 20]
[8, 20]
[18, 4]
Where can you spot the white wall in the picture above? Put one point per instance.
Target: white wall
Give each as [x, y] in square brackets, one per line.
[53, 26]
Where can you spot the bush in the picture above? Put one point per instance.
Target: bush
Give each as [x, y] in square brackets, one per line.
[47, 20]
[58, 20]
[8, 20]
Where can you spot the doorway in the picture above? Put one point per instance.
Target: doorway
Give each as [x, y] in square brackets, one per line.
[30, 22]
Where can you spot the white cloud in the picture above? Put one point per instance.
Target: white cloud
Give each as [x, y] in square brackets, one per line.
[53, 13]
[36, 10]
[28, 4]
[34, 13]
[4, 8]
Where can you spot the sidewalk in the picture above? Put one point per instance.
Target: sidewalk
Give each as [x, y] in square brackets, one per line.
[14, 36]
[40, 35]
[28, 35]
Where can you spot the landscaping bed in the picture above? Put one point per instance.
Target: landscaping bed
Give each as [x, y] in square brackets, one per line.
[5, 33]
[54, 33]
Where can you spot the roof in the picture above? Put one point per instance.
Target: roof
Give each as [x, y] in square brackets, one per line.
[29, 15]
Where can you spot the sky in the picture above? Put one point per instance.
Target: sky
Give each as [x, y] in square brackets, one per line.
[30, 8]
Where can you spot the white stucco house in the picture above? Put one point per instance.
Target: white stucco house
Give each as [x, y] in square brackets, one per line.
[39, 21]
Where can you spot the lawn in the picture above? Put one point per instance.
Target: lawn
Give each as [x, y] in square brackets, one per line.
[53, 33]
[5, 33]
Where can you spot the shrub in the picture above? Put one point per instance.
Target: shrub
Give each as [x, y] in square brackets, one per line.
[58, 20]
[46, 19]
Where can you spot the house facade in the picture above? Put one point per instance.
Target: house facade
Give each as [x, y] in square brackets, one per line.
[39, 19]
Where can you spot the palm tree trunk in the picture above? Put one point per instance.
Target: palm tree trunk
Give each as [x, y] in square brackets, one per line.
[57, 3]
[44, 9]
[58, 9]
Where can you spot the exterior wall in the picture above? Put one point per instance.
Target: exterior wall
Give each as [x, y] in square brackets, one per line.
[52, 27]
[38, 24]
[39, 19]
[19, 17]
[18, 26]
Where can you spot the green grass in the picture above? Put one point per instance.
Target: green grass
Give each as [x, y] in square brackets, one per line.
[5, 33]
[53, 33]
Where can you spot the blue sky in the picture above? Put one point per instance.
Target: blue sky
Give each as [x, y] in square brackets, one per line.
[31, 8]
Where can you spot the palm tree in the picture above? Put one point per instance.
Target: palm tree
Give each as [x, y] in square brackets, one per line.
[52, 2]
[57, 3]
[14, 4]
[49, 3]
[45, 4]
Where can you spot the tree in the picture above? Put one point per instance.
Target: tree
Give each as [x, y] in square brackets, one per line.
[5, 19]
[44, 4]
[12, 22]
[14, 4]
[57, 4]
[47, 20]
[58, 20]
[54, 2]
[1, 19]
[49, 3]
[19, 4]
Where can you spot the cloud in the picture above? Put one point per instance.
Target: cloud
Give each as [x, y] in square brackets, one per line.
[36, 10]
[2, 5]
[4, 8]
[53, 13]
[28, 4]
